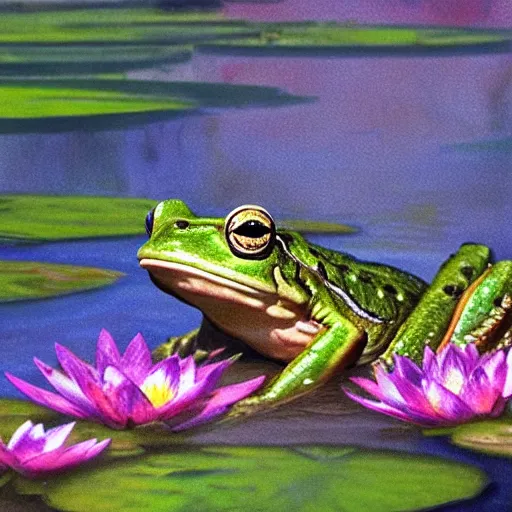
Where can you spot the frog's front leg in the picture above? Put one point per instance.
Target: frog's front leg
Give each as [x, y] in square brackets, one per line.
[338, 344]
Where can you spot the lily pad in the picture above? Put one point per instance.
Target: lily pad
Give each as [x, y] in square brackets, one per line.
[314, 39]
[23, 280]
[80, 60]
[228, 478]
[130, 26]
[106, 103]
[48, 218]
[491, 437]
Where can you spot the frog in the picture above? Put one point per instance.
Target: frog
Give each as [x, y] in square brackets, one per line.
[315, 310]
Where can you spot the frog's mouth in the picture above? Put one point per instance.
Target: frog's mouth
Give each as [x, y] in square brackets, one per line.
[188, 282]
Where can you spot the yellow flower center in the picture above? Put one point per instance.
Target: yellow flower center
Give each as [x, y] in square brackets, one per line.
[158, 394]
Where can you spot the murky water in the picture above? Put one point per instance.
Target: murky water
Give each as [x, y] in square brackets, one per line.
[376, 147]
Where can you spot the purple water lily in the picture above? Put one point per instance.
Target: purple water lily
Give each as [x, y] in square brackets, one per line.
[128, 390]
[34, 452]
[454, 386]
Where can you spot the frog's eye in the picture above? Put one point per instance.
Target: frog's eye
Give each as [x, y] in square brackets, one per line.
[150, 219]
[250, 232]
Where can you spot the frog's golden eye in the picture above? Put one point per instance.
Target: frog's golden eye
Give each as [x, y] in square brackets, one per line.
[250, 232]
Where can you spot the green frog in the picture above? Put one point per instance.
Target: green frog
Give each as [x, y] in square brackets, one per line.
[312, 308]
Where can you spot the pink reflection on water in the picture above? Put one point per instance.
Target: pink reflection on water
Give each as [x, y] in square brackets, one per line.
[482, 13]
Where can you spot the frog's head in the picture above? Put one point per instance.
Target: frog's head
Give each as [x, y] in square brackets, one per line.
[232, 259]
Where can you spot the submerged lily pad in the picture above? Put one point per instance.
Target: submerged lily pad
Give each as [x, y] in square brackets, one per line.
[106, 103]
[230, 478]
[496, 145]
[23, 280]
[316, 226]
[491, 437]
[345, 39]
[48, 218]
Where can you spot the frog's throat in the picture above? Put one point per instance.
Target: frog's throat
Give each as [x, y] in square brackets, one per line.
[174, 278]
[274, 327]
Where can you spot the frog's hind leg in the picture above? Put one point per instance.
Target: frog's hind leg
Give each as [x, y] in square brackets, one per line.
[484, 313]
[430, 320]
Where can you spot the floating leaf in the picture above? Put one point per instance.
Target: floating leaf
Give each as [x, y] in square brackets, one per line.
[345, 39]
[228, 478]
[68, 59]
[45, 105]
[48, 218]
[130, 26]
[22, 280]
[491, 437]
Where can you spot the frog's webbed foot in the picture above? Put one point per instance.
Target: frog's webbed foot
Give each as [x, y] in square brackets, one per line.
[184, 346]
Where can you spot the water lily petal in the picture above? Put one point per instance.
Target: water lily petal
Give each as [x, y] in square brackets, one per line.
[187, 374]
[62, 458]
[479, 394]
[221, 400]
[392, 411]
[22, 432]
[205, 371]
[445, 403]
[136, 361]
[507, 388]
[7, 458]
[127, 398]
[495, 366]
[47, 398]
[106, 411]
[107, 353]
[32, 441]
[78, 370]
[454, 369]
[406, 369]
[68, 388]
[387, 386]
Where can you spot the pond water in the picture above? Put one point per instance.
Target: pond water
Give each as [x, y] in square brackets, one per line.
[403, 147]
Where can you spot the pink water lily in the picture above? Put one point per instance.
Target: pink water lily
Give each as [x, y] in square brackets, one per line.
[454, 386]
[128, 390]
[34, 452]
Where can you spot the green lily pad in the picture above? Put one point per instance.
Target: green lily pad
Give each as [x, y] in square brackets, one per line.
[345, 39]
[491, 437]
[230, 478]
[315, 226]
[49, 218]
[10, 407]
[107, 103]
[130, 26]
[68, 59]
[23, 280]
